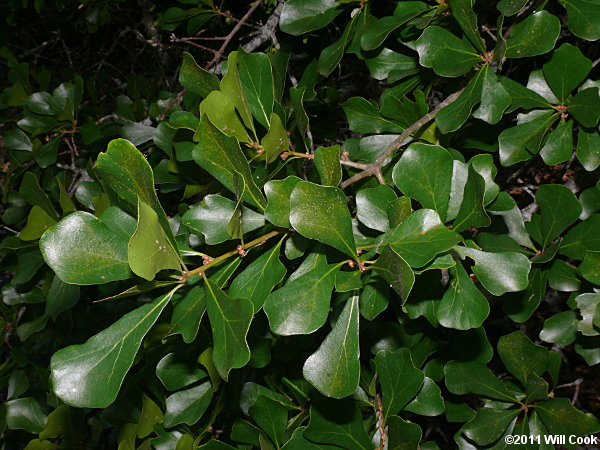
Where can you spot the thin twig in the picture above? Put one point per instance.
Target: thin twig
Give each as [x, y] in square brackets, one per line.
[595, 63]
[374, 168]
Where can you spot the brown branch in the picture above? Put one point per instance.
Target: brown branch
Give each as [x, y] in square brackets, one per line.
[595, 63]
[343, 162]
[374, 168]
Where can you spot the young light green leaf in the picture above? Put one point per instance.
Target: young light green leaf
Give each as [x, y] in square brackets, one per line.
[499, 272]
[229, 320]
[334, 369]
[38, 222]
[89, 375]
[221, 112]
[195, 78]
[396, 272]
[424, 173]
[463, 306]
[533, 36]
[148, 250]
[302, 305]
[81, 249]
[321, 213]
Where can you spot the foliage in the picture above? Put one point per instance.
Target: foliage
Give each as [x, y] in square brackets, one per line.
[380, 231]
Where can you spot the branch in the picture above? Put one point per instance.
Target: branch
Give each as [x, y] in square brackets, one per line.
[267, 31]
[374, 168]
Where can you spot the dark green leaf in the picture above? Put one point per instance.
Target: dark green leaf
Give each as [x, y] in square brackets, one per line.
[489, 425]
[257, 83]
[559, 145]
[275, 141]
[562, 418]
[585, 107]
[560, 208]
[495, 98]
[584, 18]
[188, 406]
[372, 206]
[278, 195]
[453, 116]
[176, 372]
[195, 78]
[473, 377]
[588, 144]
[514, 141]
[271, 417]
[533, 36]
[581, 238]
[561, 328]
[565, 70]
[392, 65]
[301, 16]
[61, 297]
[429, 401]
[471, 213]
[396, 272]
[331, 56]
[403, 435]
[563, 277]
[522, 357]
[327, 163]
[378, 29]
[510, 7]
[24, 414]
[462, 11]
[364, 117]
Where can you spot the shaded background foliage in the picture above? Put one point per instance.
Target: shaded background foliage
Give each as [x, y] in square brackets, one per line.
[113, 67]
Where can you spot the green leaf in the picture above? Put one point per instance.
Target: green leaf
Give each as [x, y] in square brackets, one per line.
[471, 213]
[187, 406]
[398, 210]
[327, 163]
[588, 144]
[396, 272]
[489, 425]
[275, 141]
[149, 251]
[462, 11]
[221, 112]
[24, 414]
[473, 377]
[278, 195]
[61, 297]
[221, 156]
[334, 369]
[232, 87]
[38, 222]
[559, 145]
[175, 372]
[373, 298]
[378, 30]
[211, 219]
[301, 306]
[125, 170]
[563, 277]
[463, 306]
[403, 435]
[510, 7]
[420, 237]
[81, 249]
[581, 238]
[590, 268]
[429, 401]
[561, 328]
[565, 70]
[560, 208]
[399, 378]
[562, 418]
[533, 36]
[495, 98]
[321, 213]
[522, 357]
[302, 16]
[585, 107]
[258, 279]
[372, 206]
[392, 65]
[513, 141]
[151, 415]
[196, 79]
[453, 116]
[33, 194]
[331, 56]
[339, 423]
[523, 97]
[501, 272]
[271, 417]
[445, 53]
[424, 173]
[229, 320]
[588, 309]
[584, 18]
[297, 100]
[364, 117]
[89, 375]
[506, 207]
[188, 312]
[17, 140]
[257, 83]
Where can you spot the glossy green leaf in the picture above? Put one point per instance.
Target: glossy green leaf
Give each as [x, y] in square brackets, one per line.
[378, 30]
[581, 238]
[495, 98]
[585, 107]
[565, 70]
[271, 417]
[188, 311]
[338, 423]
[81, 249]
[420, 237]
[590, 268]
[373, 298]
[176, 372]
[257, 83]
[149, 251]
[320, 213]
[471, 213]
[125, 170]
[561, 328]
[151, 415]
[489, 425]
[398, 210]
[514, 141]
[332, 55]
[232, 87]
[327, 163]
[403, 435]
[187, 406]
[559, 146]
[300, 16]
[463, 306]
[396, 272]
[364, 117]
[473, 377]
[301, 306]
[89, 375]
[522, 357]
[561, 417]
[583, 18]
[24, 414]
[588, 154]
[588, 310]
[445, 53]
[257, 280]
[392, 65]
[221, 156]
[563, 277]
[501, 272]
[399, 378]
[61, 296]
[453, 116]
[33, 194]
[275, 141]
[195, 78]
[462, 11]
[229, 320]
[560, 208]
[334, 369]
[372, 206]
[38, 222]
[429, 401]
[278, 195]
[510, 7]
[535, 35]
[221, 112]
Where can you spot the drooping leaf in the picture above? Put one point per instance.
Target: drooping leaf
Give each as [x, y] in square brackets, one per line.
[89, 375]
[332, 55]
[334, 369]
[229, 320]
[535, 35]
[81, 249]
[321, 213]
[232, 87]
